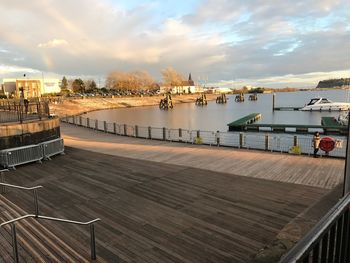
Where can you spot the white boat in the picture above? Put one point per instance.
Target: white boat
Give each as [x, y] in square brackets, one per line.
[323, 104]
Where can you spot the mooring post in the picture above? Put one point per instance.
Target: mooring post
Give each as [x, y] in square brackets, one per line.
[266, 142]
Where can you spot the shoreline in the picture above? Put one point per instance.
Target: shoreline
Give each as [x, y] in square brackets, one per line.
[79, 106]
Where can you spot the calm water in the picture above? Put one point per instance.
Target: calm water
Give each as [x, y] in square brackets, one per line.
[216, 116]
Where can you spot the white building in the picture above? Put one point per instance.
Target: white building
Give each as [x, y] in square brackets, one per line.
[42, 86]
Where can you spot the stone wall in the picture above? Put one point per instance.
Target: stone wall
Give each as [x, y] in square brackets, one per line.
[15, 135]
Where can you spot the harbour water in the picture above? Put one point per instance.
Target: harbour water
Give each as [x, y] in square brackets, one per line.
[216, 116]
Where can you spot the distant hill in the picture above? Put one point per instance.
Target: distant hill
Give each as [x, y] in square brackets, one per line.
[333, 83]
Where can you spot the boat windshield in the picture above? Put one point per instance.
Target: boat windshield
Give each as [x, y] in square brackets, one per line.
[312, 102]
[325, 101]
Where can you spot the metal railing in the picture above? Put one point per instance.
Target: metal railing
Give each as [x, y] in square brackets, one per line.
[36, 215]
[52, 147]
[14, 232]
[273, 142]
[20, 111]
[9, 158]
[328, 241]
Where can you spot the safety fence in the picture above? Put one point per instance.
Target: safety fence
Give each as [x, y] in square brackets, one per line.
[19, 111]
[9, 158]
[273, 142]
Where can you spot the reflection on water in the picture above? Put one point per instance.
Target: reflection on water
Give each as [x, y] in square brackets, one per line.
[216, 116]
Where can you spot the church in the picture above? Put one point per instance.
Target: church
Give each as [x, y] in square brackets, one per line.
[186, 86]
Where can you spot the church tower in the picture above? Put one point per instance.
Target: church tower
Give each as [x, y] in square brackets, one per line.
[190, 81]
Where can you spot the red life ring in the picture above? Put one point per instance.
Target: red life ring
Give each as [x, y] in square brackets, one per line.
[327, 144]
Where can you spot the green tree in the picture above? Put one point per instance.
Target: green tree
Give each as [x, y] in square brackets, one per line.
[78, 86]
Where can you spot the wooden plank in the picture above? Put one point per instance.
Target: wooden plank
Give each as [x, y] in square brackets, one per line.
[159, 212]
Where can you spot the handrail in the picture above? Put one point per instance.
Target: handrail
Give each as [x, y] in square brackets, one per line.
[49, 218]
[14, 234]
[21, 187]
[301, 248]
[69, 221]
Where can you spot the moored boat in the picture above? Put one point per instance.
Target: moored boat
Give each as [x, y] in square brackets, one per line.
[323, 104]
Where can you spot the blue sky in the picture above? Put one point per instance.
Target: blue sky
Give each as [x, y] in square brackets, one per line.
[225, 42]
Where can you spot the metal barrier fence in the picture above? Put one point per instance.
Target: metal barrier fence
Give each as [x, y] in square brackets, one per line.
[328, 241]
[17, 111]
[9, 158]
[273, 142]
[51, 148]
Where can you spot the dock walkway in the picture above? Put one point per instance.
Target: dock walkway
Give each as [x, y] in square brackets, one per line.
[320, 172]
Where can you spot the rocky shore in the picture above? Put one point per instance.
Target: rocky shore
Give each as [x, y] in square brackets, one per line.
[80, 105]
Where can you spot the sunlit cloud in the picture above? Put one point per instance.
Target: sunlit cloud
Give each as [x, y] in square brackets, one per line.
[53, 43]
[220, 39]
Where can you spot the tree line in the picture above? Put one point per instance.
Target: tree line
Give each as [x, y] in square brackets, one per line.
[126, 81]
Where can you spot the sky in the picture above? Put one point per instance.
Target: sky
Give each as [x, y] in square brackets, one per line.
[224, 43]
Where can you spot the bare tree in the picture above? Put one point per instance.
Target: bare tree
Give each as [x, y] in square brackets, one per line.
[171, 77]
[138, 80]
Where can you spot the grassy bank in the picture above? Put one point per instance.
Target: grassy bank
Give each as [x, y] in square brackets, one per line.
[79, 106]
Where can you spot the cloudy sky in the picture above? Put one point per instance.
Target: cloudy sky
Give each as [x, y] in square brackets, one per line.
[275, 43]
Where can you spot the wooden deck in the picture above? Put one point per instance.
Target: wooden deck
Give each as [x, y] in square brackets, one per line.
[154, 212]
[320, 172]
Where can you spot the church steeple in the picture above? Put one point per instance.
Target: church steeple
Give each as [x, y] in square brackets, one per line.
[190, 81]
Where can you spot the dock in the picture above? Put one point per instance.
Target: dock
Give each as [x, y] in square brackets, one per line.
[249, 119]
[329, 126]
[287, 108]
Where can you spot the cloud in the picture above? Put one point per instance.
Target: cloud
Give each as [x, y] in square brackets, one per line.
[53, 43]
[220, 39]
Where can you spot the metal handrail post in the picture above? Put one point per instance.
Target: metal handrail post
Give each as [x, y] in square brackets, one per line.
[2, 178]
[36, 203]
[93, 242]
[14, 243]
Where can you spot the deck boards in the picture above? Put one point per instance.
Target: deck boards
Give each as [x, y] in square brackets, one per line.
[160, 212]
[320, 172]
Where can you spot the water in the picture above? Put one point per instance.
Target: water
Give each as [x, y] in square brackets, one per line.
[216, 116]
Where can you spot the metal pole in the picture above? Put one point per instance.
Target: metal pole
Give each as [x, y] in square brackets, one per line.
[346, 187]
[36, 203]
[93, 243]
[3, 188]
[273, 101]
[14, 243]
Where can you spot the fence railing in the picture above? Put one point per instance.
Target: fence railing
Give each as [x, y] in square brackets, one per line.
[273, 142]
[13, 222]
[19, 111]
[328, 241]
